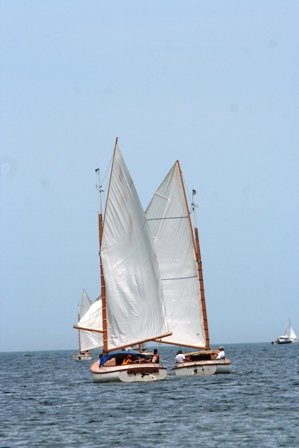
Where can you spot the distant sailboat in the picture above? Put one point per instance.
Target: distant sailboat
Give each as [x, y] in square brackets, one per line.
[86, 339]
[178, 251]
[132, 307]
[288, 337]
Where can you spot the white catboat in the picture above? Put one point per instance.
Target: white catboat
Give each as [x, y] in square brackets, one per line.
[88, 318]
[288, 337]
[178, 251]
[132, 309]
[83, 355]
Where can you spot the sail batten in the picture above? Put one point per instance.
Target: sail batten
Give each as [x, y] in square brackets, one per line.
[168, 217]
[177, 278]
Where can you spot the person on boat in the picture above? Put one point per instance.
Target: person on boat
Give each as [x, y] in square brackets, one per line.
[156, 357]
[180, 357]
[221, 354]
[128, 360]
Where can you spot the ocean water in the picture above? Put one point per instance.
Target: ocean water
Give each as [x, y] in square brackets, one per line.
[49, 400]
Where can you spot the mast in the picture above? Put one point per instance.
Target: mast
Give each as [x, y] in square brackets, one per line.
[102, 278]
[103, 286]
[201, 282]
[79, 336]
[196, 246]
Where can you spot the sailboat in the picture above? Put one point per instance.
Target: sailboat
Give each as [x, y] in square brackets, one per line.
[288, 337]
[132, 306]
[83, 353]
[177, 246]
[89, 317]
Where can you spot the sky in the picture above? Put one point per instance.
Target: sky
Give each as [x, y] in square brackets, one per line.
[212, 84]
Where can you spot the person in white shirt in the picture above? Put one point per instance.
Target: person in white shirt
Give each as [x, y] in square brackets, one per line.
[221, 354]
[180, 357]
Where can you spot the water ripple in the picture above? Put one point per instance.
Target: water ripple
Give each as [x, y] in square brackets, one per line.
[48, 400]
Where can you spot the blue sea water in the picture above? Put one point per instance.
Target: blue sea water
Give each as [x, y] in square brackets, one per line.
[49, 400]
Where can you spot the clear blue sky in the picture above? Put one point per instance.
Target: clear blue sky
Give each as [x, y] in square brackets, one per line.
[211, 83]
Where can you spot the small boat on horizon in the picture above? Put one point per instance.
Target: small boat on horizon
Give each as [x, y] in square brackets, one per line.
[87, 318]
[83, 355]
[288, 337]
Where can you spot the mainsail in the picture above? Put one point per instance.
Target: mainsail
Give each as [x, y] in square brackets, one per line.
[134, 297]
[169, 219]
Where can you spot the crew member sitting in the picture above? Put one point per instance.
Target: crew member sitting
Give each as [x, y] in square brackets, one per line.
[128, 360]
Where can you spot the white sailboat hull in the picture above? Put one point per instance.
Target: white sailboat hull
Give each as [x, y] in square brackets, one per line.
[282, 341]
[128, 373]
[198, 368]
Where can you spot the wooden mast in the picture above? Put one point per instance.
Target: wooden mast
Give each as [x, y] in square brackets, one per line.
[196, 246]
[79, 336]
[102, 278]
[201, 283]
[103, 290]
[103, 286]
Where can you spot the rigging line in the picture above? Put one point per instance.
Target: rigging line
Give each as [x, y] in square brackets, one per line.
[167, 218]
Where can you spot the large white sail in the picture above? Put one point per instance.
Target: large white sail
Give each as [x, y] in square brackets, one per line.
[169, 221]
[92, 319]
[134, 297]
